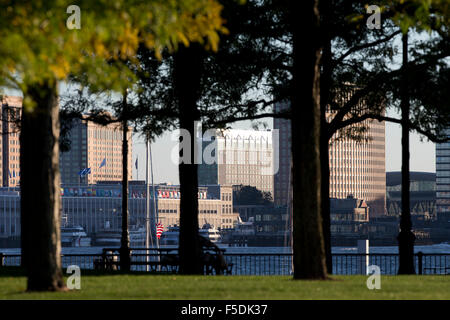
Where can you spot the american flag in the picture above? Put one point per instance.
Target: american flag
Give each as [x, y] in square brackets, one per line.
[159, 230]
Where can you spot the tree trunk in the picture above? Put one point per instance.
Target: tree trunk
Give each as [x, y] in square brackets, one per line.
[40, 189]
[187, 70]
[325, 199]
[308, 244]
[406, 237]
[325, 87]
[125, 239]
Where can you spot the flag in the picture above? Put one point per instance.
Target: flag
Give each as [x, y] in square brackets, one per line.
[136, 163]
[84, 172]
[103, 163]
[159, 230]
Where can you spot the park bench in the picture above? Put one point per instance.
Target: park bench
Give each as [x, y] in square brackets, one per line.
[213, 260]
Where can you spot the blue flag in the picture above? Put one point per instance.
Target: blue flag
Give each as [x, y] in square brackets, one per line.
[103, 163]
[136, 163]
[84, 172]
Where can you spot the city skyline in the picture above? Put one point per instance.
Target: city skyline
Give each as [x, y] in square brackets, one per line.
[422, 153]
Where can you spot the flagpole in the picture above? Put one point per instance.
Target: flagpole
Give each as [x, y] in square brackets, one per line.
[153, 189]
[148, 238]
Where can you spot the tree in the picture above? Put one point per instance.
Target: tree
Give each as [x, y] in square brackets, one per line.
[249, 195]
[346, 42]
[37, 52]
[190, 85]
[406, 236]
[186, 77]
[308, 242]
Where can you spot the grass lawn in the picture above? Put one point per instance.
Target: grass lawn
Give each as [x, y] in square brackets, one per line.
[169, 287]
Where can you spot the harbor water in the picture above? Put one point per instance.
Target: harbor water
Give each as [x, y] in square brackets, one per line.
[278, 261]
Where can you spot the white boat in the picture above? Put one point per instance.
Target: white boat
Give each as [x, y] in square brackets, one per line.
[171, 236]
[210, 233]
[244, 228]
[112, 237]
[74, 237]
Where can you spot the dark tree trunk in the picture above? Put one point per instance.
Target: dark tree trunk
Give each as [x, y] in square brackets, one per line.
[308, 244]
[325, 87]
[187, 70]
[325, 199]
[406, 236]
[40, 189]
[125, 239]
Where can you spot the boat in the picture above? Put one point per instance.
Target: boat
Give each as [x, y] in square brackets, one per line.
[171, 236]
[244, 228]
[210, 233]
[74, 236]
[137, 237]
[108, 238]
[240, 234]
[112, 237]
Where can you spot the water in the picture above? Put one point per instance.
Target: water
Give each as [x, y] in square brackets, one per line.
[435, 248]
[274, 261]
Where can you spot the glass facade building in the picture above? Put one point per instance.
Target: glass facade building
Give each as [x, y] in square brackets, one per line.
[357, 169]
[443, 179]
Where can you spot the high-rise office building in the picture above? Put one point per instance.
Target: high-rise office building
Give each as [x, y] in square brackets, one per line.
[443, 179]
[356, 168]
[96, 147]
[238, 157]
[10, 144]
[92, 146]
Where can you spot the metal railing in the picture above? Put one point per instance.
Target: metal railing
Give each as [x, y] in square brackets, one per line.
[258, 263]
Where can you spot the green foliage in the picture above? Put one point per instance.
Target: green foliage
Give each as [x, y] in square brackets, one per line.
[249, 195]
[38, 47]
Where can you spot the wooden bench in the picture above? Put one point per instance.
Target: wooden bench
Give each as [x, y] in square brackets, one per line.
[212, 259]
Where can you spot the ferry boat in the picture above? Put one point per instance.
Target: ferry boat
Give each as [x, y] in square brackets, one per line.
[74, 236]
[112, 237]
[210, 233]
[171, 236]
